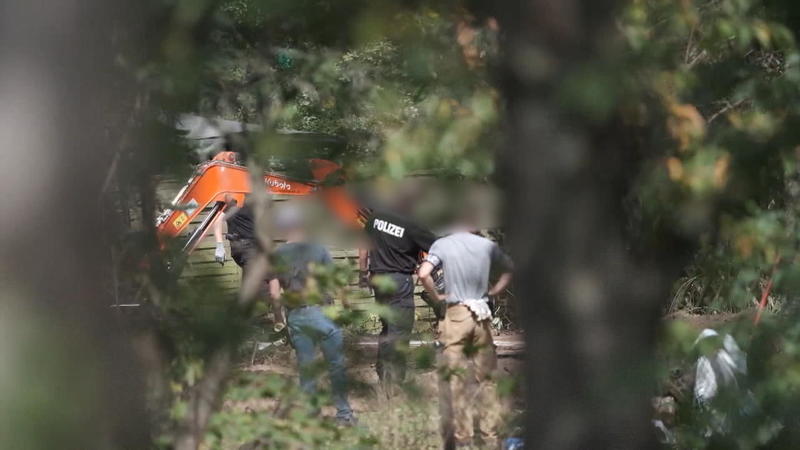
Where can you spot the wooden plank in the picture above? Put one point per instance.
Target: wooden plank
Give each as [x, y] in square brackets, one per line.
[212, 266]
[221, 278]
[344, 253]
[202, 266]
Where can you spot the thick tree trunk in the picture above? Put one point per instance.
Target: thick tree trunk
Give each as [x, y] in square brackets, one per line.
[591, 309]
[69, 379]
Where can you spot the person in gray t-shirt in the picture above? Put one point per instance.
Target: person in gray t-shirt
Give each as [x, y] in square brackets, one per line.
[467, 260]
[467, 352]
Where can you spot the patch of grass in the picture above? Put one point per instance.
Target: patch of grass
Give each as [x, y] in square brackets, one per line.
[404, 425]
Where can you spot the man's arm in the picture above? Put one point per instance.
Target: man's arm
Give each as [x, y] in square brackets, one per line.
[218, 230]
[219, 251]
[502, 284]
[499, 257]
[230, 210]
[277, 307]
[363, 268]
[362, 259]
[424, 273]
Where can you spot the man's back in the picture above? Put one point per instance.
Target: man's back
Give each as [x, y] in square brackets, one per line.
[468, 353]
[396, 242]
[293, 262]
[241, 224]
[466, 260]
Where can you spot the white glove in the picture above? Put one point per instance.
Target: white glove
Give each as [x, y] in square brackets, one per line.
[219, 253]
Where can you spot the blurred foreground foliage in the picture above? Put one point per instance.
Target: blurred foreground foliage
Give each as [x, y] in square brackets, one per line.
[717, 87]
[406, 87]
[269, 411]
[409, 81]
[707, 89]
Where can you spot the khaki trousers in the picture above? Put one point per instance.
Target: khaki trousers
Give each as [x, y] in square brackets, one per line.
[467, 363]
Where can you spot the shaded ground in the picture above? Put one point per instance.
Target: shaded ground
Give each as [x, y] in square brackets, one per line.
[411, 419]
[701, 321]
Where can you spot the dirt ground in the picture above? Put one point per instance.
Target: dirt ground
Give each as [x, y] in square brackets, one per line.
[405, 422]
[701, 321]
[419, 416]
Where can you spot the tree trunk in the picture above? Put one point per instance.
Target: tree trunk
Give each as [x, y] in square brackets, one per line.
[590, 309]
[69, 376]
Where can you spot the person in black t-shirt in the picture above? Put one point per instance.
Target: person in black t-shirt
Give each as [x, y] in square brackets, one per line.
[241, 234]
[395, 243]
[242, 237]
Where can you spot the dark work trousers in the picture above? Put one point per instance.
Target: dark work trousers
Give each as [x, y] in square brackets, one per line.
[396, 329]
[243, 252]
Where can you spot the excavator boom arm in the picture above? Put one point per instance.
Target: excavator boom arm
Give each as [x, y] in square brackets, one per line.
[215, 181]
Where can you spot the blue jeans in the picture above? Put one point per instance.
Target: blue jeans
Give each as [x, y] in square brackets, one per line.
[308, 327]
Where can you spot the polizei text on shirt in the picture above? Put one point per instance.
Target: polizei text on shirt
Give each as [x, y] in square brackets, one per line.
[389, 228]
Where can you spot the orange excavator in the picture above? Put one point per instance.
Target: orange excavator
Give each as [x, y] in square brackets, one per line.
[218, 181]
[222, 179]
